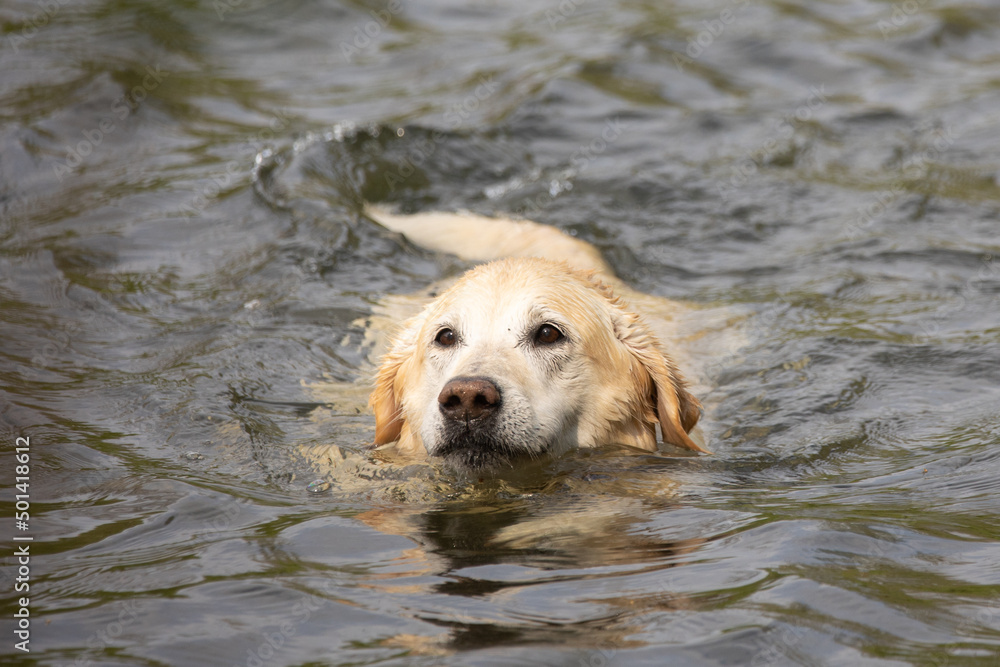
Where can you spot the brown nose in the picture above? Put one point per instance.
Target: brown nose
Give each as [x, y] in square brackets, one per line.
[466, 399]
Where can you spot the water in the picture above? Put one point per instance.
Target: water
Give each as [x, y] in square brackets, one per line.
[184, 281]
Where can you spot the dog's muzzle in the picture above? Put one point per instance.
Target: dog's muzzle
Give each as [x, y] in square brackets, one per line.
[471, 438]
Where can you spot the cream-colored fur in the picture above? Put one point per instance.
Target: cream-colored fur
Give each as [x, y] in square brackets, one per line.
[609, 380]
[481, 239]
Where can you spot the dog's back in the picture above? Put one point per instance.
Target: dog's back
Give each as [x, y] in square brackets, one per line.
[481, 239]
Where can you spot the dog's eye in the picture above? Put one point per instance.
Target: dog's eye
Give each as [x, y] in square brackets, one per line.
[446, 338]
[548, 334]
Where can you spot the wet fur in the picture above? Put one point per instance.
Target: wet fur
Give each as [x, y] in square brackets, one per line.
[611, 383]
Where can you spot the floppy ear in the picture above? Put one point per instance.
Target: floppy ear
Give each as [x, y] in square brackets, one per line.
[676, 409]
[386, 399]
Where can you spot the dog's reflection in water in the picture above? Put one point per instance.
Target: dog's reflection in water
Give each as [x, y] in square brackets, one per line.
[579, 515]
[516, 414]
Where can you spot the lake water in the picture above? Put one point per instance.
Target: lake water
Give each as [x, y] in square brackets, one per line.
[185, 280]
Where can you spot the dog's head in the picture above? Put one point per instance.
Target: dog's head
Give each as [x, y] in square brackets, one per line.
[524, 356]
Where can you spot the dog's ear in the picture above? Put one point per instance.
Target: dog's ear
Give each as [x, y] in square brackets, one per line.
[386, 399]
[676, 409]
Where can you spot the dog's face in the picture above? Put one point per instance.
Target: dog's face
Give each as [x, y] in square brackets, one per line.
[524, 356]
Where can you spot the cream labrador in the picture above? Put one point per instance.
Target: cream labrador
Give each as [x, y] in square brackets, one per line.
[540, 349]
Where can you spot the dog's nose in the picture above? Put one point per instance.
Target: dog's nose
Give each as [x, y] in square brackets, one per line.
[466, 398]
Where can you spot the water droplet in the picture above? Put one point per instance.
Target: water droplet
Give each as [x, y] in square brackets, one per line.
[343, 131]
[318, 486]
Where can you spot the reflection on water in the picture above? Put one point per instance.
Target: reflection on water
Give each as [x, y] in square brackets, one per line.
[188, 296]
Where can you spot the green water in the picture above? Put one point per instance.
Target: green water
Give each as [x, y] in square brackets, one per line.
[185, 281]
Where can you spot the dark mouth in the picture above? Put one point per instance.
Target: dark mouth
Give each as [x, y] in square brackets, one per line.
[477, 448]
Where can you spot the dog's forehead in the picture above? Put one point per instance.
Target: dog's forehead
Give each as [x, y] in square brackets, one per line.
[518, 291]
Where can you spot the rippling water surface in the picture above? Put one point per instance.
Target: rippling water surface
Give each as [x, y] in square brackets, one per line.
[185, 281]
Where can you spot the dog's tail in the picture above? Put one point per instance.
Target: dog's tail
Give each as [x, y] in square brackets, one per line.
[481, 239]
